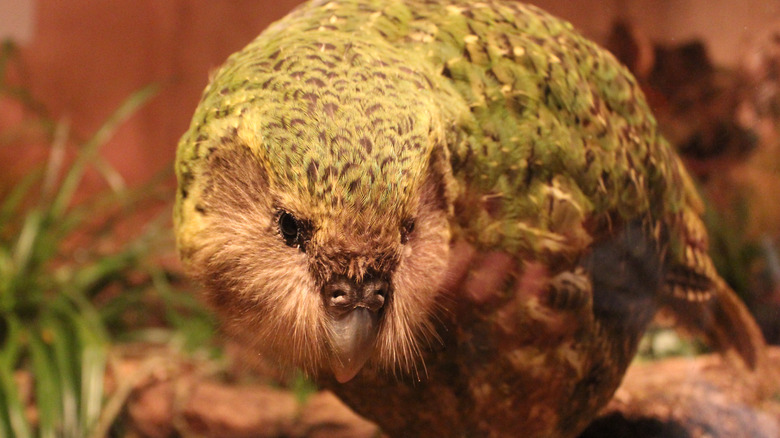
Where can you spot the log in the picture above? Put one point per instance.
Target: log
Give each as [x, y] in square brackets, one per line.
[703, 396]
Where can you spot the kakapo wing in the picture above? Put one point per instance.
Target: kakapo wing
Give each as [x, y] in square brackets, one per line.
[562, 153]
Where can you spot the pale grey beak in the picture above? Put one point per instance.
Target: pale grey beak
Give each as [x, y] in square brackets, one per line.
[353, 335]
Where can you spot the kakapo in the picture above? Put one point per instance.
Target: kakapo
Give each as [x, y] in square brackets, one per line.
[460, 216]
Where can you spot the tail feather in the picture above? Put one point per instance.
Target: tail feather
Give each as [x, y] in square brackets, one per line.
[734, 327]
[724, 320]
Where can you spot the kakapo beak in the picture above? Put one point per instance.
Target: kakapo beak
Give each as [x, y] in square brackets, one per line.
[352, 339]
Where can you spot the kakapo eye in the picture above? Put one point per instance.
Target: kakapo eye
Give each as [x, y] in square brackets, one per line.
[290, 229]
[407, 227]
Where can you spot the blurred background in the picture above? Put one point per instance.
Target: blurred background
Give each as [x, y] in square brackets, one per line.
[70, 75]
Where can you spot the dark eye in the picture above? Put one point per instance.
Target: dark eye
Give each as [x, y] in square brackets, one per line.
[407, 227]
[289, 228]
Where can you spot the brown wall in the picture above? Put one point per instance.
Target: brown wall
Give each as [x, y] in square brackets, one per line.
[87, 56]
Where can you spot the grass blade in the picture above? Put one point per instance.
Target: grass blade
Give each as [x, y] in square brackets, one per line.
[12, 405]
[66, 364]
[114, 179]
[31, 231]
[11, 342]
[93, 369]
[16, 196]
[47, 385]
[56, 160]
[91, 146]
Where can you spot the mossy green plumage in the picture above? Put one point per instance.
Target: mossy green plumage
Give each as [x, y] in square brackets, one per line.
[531, 113]
[524, 153]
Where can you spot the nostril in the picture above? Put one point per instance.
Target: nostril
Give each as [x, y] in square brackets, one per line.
[338, 296]
[376, 294]
[338, 293]
[379, 301]
[381, 290]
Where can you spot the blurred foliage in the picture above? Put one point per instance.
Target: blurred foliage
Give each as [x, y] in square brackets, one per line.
[734, 253]
[662, 342]
[302, 387]
[73, 279]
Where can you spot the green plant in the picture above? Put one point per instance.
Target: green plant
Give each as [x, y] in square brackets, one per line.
[734, 253]
[59, 259]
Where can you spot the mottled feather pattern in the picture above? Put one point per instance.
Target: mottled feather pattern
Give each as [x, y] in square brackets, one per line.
[503, 174]
[516, 135]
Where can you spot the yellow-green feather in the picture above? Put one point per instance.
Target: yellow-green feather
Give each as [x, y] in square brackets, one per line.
[539, 123]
